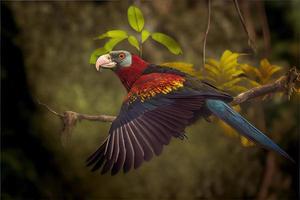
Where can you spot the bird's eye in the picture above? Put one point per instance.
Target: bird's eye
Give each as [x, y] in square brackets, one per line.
[121, 55]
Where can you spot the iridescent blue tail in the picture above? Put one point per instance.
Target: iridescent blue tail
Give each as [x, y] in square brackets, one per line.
[236, 121]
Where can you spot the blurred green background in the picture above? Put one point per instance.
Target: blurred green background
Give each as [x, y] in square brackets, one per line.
[45, 49]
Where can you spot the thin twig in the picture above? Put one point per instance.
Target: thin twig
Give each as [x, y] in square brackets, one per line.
[207, 30]
[49, 109]
[141, 49]
[250, 40]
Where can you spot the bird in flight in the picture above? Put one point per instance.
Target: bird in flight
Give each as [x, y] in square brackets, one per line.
[160, 103]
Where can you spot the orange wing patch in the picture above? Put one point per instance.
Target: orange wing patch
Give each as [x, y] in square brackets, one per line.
[150, 85]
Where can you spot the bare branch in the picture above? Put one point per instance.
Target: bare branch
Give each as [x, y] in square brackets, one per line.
[102, 118]
[207, 30]
[70, 119]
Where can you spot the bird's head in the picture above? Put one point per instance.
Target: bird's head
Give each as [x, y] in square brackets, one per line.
[127, 66]
[114, 60]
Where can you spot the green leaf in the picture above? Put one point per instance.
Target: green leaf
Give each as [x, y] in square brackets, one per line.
[168, 42]
[145, 34]
[135, 18]
[134, 42]
[96, 54]
[111, 43]
[113, 34]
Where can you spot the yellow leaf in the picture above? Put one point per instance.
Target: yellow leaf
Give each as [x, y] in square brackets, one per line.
[266, 71]
[264, 63]
[237, 88]
[177, 64]
[232, 82]
[233, 133]
[230, 65]
[212, 69]
[213, 62]
[225, 56]
[236, 73]
[182, 66]
[237, 108]
[210, 80]
[253, 83]
[250, 71]
[275, 69]
[231, 58]
[246, 142]
[227, 129]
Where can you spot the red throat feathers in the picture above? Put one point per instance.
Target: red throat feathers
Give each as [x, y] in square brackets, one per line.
[128, 75]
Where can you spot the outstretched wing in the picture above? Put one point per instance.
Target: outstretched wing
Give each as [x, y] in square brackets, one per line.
[147, 121]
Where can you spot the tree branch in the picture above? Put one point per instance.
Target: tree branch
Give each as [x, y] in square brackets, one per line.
[284, 84]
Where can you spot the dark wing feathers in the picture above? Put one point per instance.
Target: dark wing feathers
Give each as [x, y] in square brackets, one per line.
[159, 132]
[140, 134]
[122, 155]
[129, 160]
[153, 143]
[143, 128]
[148, 151]
[137, 148]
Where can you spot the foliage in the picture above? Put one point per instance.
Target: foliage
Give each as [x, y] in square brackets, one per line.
[169, 42]
[136, 21]
[230, 75]
[262, 74]
[225, 73]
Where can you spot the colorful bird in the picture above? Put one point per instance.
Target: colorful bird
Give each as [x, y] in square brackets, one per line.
[161, 102]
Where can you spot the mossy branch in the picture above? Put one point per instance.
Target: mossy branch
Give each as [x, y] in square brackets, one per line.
[286, 84]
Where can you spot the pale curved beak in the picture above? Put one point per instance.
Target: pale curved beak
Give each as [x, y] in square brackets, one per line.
[105, 61]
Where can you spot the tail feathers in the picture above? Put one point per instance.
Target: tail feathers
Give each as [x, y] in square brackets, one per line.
[236, 121]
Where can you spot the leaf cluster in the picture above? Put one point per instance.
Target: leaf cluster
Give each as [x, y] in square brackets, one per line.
[136, 21]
